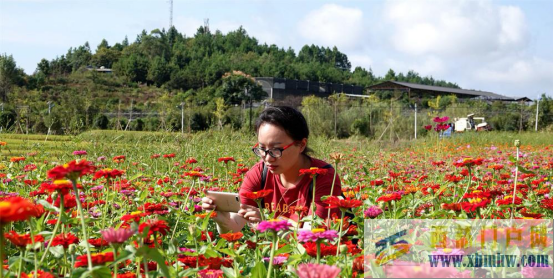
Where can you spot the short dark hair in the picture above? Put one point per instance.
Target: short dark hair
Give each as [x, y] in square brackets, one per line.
[288, 118]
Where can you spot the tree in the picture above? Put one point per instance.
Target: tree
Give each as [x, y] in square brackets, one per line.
[391, 75]
[44, 67]
[10, 75]
[238, 87]
[159, 71]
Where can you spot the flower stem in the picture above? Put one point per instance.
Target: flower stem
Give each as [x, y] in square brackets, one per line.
[272, 255]
[318, 245]
[115, 264]
[83, 226]
[468, 184]
[313, 203]
[53, 232]
[330, 194]
[2, 244]
[35, 252]
[515, 185]
[342, 212]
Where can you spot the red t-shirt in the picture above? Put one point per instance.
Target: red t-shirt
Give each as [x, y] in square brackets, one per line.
[283, 198]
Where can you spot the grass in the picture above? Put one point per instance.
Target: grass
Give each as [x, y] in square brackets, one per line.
[231, 143]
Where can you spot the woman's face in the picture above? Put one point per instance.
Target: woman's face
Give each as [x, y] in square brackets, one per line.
[271, 136]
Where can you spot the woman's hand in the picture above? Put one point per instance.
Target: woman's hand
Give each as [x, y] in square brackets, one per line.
[250, 213]
[207, 203]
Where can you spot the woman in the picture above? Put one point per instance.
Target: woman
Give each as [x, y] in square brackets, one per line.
[282, 145]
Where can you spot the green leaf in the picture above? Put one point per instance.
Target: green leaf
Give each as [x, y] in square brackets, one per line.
[158, 258]
[229, 272]
[523, 170]
[259, 271]
[285, 249]
[512, 159]
[98, 272]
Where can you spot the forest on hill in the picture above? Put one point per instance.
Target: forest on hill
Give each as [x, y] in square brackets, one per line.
[162, 70]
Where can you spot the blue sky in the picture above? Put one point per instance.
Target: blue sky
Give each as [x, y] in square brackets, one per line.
[503, 47]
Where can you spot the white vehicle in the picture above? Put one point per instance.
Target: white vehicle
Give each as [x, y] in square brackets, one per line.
[469, 124]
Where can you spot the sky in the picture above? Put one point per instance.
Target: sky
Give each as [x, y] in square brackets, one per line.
[500, 46]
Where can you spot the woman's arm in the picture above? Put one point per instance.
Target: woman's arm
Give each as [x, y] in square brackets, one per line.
[230, 221]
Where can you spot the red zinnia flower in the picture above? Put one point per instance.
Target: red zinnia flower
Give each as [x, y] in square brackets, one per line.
[16, 209]
[119, 159]
[22, 240]
[71, 170]
[40, 274]
[171, 155]
[108, 173]
[30, 167]
[546, 203]
[154, 226]
[97, 259]
[313, 171]
[226, 159]
[191, 161]
[468, 162]
[98, 242]
[390, 197]
[257, 195]
[377, 182]
[65, 240]
[428, 127]
[62, 186]
[335, 202]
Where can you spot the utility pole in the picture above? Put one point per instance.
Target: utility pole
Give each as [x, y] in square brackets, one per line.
[537, 115]
[250, 97]
[415, 122]
[130, 116]
[50, 106]
[182, 117]
[170, 14]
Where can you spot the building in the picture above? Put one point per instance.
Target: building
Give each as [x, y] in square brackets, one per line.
[280, 88]
[415, 90]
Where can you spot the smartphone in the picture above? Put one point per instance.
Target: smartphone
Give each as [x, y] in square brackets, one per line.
[224, 201]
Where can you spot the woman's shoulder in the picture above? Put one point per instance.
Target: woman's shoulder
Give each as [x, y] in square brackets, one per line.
[317, 163]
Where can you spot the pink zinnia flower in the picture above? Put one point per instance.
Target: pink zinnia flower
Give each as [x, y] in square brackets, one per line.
[440, 119]
[80, 152]
[274, 225]
[316, 234]
[210, 273]
[119, 236]
[373, 212]
[310, 270]
[277, 260]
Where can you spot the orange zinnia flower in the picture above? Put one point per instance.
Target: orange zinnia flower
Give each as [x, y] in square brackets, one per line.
[16, 209]
[231, 237]
[17, 159]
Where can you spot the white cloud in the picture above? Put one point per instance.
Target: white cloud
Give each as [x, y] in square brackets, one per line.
[516, 71]
[454, 27]
[362, 60]
[187, 25]
[333, 25]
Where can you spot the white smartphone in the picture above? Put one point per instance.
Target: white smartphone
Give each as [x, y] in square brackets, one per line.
[224, 201]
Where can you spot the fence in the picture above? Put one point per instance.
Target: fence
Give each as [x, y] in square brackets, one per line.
[383, 120]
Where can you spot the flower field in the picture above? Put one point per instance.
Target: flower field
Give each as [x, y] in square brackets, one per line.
[127, 204]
